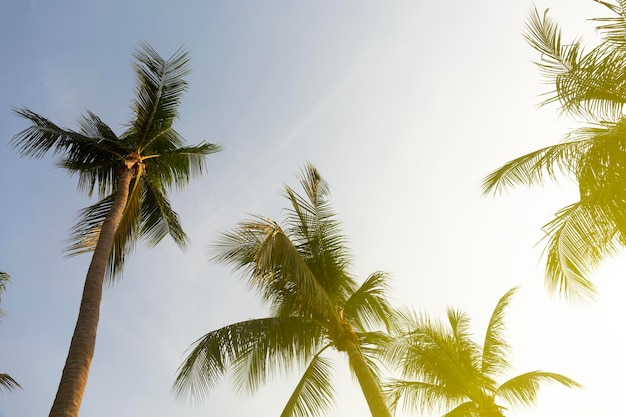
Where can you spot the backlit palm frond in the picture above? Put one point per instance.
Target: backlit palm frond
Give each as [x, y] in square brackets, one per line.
[174, 167]
[7, 383]
[613, 28]
[275, 266]
[544, 35]
[314, 393]
[159, 91]
[590, 84]
[369, 306]
[254, 350]
[94, 153]
[523, 389]
[86, 230]
[531, 169]
[496, 348]
[158, 219]
[312, 226]
[579, 237]
[597, 89]
[419, 397]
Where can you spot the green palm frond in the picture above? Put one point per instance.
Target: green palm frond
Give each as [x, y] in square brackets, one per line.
[7, 383]
[275, 267]
[544, 35]
[159, 91]
[590, 84]
[175, 167]
[523, 389]
[532, 168]
[369, 306]
[312, 226]
[253, 350]
[314, 393]
[495, 347]
[579, 237]
[613, 28]
[419, 396]
[158, 219]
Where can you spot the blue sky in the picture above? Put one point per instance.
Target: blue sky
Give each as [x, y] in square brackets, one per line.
[402, 105]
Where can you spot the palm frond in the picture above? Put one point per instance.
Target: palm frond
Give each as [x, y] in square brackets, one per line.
[544, 35]
[158, 93]
[419, 397]
[523, 389]
[314, 393]
[369, 306]
[579, 237]
[254, 349]
[174, 167]
[158, 219]
[7, 383]
[274, 266]
[532, 168]
[495, 347]
[5, 279]
[312, 226]
[588, 84]
[613, 28]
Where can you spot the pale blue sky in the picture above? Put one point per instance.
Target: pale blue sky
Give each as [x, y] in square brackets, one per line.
[403, 106]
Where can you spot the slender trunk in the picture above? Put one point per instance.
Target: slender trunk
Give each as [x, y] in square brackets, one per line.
[74, 377]
[368, 382]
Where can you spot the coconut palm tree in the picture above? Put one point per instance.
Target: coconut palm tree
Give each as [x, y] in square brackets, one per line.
[6, 382]
[589, 86]
[301, 271]
[132, 173]
[443, 368]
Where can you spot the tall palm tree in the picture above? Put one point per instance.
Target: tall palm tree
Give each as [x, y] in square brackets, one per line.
[301, 271]
[6, 382]
[442, 367]
[132, 173]
[589, 86]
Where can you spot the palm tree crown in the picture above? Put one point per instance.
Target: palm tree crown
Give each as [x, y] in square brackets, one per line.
[443, 368]
[301, 271]
[588, 85]
[132, 174]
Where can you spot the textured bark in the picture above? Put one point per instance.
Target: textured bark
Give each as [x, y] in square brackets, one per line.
[74, 377]
[368, 382]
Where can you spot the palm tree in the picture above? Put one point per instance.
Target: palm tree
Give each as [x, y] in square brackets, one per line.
[588, 85]
[443, 368]
[6, 382]
[132, 174]
[301, 271]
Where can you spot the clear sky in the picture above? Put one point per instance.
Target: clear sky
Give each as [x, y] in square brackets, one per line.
[402, 105]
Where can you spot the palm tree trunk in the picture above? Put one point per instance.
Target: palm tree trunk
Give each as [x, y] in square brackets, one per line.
[74, 377]
[369, 384]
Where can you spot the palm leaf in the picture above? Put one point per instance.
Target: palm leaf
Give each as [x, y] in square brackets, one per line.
[417, 396]
[495, 347]
[7, 383]
[275, 267]
[580, 237]
[523, 389]
[254, 349]
[368, 305]
[158, 94]
[314, 393]
[532, 168]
